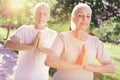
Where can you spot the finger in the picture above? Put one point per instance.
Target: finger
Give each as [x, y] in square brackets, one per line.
[38, 45]
[38, 35]
[86, 60]
[36, 42]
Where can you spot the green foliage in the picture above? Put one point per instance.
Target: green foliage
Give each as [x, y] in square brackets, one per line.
[113, 51]
[101, 9]
[59, 26]
[52, 71]
[2, 34]
[110, 30]
[14, 13]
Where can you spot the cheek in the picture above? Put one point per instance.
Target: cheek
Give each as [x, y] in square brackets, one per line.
[89, 20]
[36, 17]
[47, 17]
[77, 20]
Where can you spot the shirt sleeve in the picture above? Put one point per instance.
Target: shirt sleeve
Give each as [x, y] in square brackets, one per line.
[102, 55]
[19, 32]
[58, 45]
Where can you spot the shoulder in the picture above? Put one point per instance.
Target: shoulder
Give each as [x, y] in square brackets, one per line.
[22, 30]
[95, 39]
[63, 35]
[25, 27]
[51, 31]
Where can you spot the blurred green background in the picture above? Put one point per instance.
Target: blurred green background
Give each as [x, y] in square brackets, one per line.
[105, 23]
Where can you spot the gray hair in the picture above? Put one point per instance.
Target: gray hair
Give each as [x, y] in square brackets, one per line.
[77, 7]
[75, 12]
[38, 5]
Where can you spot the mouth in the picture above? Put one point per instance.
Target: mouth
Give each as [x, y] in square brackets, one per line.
[84, 24]
[40, 21]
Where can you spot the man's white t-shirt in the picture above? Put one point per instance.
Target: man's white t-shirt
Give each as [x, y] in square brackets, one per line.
[31, 63]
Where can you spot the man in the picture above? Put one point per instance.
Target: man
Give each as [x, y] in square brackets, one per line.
[28, 40]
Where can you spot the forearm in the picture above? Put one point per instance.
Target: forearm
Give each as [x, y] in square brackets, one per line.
[109, 68]
[56, 62]
[44, 50]
[60, 64]
[17, 46]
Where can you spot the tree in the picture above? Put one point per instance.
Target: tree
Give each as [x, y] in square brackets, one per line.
[14, 13]
[109, 31]
[102, 9]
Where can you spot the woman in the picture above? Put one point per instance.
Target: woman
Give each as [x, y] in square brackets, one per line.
[73, 53]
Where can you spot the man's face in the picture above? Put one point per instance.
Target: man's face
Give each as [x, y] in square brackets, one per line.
[42, 16]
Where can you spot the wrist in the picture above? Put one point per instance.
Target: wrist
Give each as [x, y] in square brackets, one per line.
[31, 47]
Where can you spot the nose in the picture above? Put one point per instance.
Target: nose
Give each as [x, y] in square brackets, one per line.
[84, 18]
[41, 15]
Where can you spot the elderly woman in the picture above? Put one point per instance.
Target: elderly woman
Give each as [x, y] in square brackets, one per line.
[73, 52]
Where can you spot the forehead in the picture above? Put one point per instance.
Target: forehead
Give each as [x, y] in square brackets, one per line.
[42, 9]
[84, 9]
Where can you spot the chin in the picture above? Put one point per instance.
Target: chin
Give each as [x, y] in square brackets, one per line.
[41, 24]
[82, 28]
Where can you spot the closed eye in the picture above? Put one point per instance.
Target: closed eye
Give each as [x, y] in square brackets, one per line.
[88, 16]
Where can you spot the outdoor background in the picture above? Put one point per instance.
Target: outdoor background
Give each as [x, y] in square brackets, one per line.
[105, 25]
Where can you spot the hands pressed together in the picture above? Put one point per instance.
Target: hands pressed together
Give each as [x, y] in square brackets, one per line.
[36, 43]
[38, 46]
[83, 58]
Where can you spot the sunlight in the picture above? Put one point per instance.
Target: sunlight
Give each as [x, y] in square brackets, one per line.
[1, 58]
[17, 4]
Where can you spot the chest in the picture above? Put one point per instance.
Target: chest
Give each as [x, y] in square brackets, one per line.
[72, 49]
[46, 37]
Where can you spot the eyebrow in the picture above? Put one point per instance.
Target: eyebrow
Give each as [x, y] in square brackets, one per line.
[87, 13]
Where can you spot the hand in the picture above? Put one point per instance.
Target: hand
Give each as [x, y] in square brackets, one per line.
[38, 46]
[36, 41]
[86, 61]
[81, 58]
[87, 66]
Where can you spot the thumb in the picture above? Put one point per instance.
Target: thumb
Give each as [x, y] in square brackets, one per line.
[36, 42]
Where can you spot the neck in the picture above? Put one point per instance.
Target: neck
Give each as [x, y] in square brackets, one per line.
[39, 27]
[80, 34]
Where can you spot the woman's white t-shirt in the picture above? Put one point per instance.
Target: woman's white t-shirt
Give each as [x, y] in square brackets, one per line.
[72, 48]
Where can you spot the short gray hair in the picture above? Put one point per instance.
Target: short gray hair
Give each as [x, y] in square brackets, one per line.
[38, 5]
[77, 7]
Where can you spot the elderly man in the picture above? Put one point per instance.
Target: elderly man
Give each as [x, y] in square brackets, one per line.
[28, 40]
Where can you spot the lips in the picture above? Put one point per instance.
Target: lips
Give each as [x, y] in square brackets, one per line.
[84, 24]
[40, 21]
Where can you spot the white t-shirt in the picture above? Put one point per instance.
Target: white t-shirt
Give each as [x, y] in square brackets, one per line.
[31, 63]
[69, 47]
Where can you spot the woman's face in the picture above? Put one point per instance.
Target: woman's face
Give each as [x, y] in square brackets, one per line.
[82, 18]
